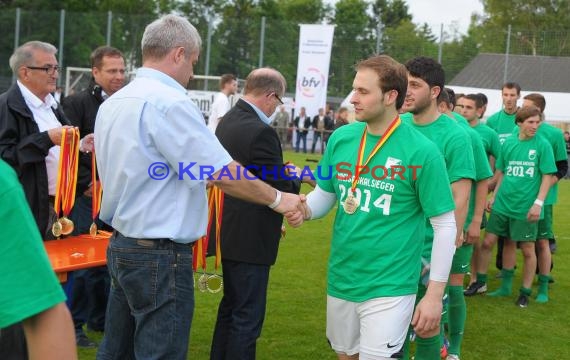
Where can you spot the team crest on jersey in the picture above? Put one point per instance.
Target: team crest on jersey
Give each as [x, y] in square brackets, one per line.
[532, 154]
[390, 161]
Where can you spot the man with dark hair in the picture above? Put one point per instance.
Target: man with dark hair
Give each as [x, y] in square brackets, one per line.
[426, 80]
[221, 104]
[91, 286]
[302, 123]
[379, 224]
[320, 124]
[482, 102]
[503, 121]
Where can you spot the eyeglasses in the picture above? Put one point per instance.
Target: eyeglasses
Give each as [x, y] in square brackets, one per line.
[278, 98]
[49, 69]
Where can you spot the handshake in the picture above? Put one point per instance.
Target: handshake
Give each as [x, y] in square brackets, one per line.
[296, 210]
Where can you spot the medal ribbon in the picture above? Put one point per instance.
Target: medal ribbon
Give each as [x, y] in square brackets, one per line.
[97, 190]
[67, 172]
[215, 207]
[389, 131]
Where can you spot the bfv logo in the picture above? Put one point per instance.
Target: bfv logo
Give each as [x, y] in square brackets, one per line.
[312, 82]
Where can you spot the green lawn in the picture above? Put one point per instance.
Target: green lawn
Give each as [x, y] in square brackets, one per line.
[295, 322]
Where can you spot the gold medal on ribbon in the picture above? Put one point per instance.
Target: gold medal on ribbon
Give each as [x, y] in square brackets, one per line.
[56, 229]
[203, 282]
[93, 230]
[215, 283]
[66, 225]
[350, 204]
[66, 181]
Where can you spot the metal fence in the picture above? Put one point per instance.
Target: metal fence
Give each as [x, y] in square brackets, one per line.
[239, 45]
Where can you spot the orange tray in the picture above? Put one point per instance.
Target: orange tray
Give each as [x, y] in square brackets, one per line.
[77, 252]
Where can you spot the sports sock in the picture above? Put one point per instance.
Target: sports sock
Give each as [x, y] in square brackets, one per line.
[506, 288]
[542, 296]
[428, 348]
[481, 278]
[457, 317]
[525, 291]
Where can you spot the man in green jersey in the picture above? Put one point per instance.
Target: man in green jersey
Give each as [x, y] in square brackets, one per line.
[503, 121]
[426, 80]
[555, 138]
[384, 178]
[472, 107]
[524, 171]
[30, 292]
[472, 229]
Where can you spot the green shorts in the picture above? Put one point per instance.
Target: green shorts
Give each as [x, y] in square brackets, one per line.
[545, 225]
[514, 229]
[462, 260]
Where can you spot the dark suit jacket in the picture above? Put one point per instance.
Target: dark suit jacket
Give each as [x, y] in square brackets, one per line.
[306, 124]
[24, 147]
[250, 232]
[327, 122]
[81, 109]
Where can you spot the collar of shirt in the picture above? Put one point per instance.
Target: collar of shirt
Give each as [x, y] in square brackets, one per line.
[260, 113]
[35, 102]
[160, 76]
[104, 95]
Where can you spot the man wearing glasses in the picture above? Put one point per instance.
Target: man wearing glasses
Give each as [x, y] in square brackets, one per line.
[250, 233]
[31, 126]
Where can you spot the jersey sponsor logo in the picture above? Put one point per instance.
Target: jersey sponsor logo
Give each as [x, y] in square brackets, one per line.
[532, 154]
[464, 266]
[390, 161]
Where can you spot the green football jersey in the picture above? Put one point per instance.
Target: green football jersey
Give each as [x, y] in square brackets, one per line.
[482, 167]
[454, 144]
[490, 139]
[555, 137]
[28, 284]
[375, 252]
[502, 123]
[522, 162]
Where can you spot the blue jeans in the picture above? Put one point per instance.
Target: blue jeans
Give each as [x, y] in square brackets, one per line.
[241, 312]
[301, 136]
[151, 302]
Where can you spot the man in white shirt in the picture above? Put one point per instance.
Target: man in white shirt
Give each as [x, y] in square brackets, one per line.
[221, 104]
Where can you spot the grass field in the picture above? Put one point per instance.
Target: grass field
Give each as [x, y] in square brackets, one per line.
[294, 326]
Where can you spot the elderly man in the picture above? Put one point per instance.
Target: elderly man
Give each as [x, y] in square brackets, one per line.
[31, 125]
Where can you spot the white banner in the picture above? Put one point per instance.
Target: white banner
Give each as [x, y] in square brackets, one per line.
[315, 43]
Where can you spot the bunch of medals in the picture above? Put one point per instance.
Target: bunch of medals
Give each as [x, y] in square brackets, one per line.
[97, 192]
[212, 283]
[352, 202]
[66, 181]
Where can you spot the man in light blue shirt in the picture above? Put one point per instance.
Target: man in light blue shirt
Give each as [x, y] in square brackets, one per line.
[155, 155]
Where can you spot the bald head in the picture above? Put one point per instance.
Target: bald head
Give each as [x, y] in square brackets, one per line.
[263, 81]
[264, 87]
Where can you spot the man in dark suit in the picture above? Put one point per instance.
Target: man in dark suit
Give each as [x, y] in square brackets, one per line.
[320, 124]
[250, 233]
[302, 124]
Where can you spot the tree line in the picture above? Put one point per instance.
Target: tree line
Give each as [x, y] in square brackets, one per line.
[363, 27]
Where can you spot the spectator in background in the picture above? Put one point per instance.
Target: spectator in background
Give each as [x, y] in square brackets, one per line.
[58, 94]
[221, 104]
[281, 124]
[319, 124]
[342, 118]
[302, 124]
